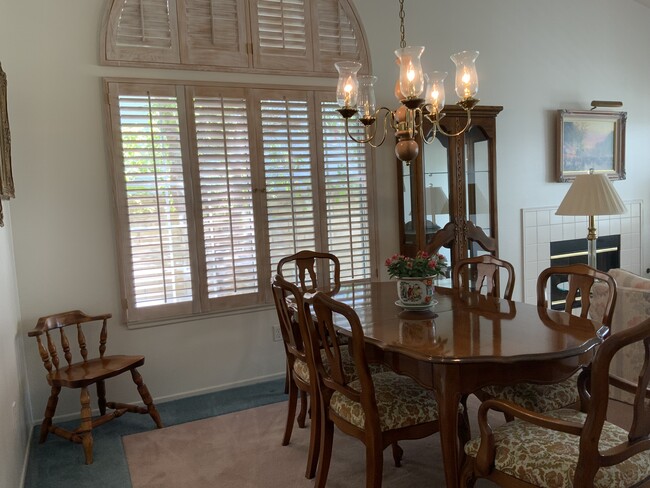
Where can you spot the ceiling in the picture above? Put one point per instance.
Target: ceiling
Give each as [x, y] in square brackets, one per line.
[644, 2]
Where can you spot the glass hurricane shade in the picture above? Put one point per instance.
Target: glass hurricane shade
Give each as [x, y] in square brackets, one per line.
[411, 78]
[351, 90]
[366, 99]
[435, 94]
[347, 88]
[466, 76]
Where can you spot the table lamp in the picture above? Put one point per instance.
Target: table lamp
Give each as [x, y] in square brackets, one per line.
[591, 194]
[436, 203]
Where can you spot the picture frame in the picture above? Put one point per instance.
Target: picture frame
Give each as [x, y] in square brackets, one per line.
[6, 178]
[589, 139]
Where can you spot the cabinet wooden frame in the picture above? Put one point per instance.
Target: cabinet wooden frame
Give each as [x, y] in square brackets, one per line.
[461, 232]
[590, 139]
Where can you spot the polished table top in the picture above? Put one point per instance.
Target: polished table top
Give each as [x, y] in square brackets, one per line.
[468, 327]
[466, 342]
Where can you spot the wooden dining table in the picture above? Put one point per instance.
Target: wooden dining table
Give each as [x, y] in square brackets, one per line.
[468, 341]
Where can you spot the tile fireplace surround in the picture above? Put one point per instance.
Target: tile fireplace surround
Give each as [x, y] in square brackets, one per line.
[541, 227]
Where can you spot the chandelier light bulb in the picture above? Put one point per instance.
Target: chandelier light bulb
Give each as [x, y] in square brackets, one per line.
[366, 98]
[466, 76]
[411, 78]
[435, 94]
[347, 88]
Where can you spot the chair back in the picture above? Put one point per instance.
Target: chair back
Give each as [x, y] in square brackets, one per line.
[332, 376]
[48, 325]
[483, 272]
[292, 312]
[580, 279]
[597, 400]
[313, 271]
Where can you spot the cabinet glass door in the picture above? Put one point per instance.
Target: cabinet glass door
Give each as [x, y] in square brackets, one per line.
[436, 188]
[477, 184]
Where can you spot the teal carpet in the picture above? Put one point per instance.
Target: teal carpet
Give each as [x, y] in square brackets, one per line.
[60, 464]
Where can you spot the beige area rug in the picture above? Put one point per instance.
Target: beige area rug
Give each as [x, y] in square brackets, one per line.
[243, 450]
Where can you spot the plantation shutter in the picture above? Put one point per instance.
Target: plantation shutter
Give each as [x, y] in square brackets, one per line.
[346, 182]
[153, 215]
[306, 36]
[288, 173]
[226, 191]
[142, 31]
[214, 32]
[281, 34]
[338, 36]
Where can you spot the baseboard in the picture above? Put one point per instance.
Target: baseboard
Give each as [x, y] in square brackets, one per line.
[23, 475]
[178, 396]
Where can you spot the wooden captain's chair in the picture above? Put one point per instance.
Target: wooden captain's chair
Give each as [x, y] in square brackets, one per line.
[84, 373]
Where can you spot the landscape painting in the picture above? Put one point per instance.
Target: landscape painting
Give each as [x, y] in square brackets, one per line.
[590, 140]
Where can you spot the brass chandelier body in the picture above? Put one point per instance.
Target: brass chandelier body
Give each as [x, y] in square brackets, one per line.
[355, 96]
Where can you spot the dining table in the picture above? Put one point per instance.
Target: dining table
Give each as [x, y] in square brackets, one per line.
[465, 342]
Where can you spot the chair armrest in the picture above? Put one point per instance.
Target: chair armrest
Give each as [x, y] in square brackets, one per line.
[487, 450]
[625, 385]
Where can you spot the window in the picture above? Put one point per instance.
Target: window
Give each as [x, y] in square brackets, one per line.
[214, 183]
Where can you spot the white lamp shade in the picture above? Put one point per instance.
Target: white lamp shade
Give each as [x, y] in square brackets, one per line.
[436, 201]
[591, 194]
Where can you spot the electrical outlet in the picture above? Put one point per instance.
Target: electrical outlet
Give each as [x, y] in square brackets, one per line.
[277, 333]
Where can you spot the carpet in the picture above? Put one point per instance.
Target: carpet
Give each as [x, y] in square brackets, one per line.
[243, 450]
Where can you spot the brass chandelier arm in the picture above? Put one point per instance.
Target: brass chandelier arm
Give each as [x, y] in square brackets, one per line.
[438, 128]
[369, 140]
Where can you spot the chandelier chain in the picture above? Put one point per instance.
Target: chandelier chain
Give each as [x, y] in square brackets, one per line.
[402, 42]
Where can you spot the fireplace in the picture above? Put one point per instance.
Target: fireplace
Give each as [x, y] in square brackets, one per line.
[541, 227]
[574, 251]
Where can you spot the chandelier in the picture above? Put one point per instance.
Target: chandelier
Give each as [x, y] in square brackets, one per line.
[356, 96]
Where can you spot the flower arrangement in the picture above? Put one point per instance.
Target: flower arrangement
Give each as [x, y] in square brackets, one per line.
[423, 264]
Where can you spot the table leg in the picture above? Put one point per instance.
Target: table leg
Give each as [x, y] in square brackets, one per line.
[448, 397]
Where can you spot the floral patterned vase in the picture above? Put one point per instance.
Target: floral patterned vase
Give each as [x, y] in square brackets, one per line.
[415, 291]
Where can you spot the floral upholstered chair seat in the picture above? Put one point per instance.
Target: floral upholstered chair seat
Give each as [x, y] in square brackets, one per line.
[302, 370]
[400, 400]
[538, 398]
[547, 458]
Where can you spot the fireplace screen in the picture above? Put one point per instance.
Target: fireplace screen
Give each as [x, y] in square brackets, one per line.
[574, 251]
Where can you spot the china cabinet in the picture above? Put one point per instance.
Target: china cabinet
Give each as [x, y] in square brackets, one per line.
[447, 195]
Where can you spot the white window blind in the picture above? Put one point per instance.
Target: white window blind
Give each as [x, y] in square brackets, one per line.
[145, 23]
[154, 197]
[346, 195]
[215, 184]
[227, 216]
[214, 32]
[243, 35]
[288, 166]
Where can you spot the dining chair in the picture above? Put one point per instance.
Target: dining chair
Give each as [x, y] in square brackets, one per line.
[304, 268]
[579, 279]
[312, 271]
[294, 315]
[567, 447]
[379, 409]
[482, 272]
[84, 373]
[289, 303]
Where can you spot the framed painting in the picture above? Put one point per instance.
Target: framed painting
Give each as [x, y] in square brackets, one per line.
[6, 177]
[590, 140]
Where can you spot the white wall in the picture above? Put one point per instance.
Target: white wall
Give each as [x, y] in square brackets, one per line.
[536, 57]
[15, 427]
